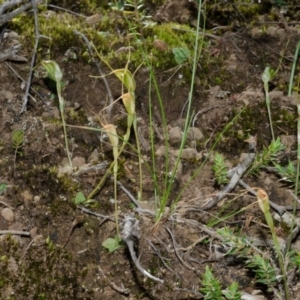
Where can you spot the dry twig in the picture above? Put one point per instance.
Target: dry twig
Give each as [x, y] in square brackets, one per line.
[130, 233]
[37, 38]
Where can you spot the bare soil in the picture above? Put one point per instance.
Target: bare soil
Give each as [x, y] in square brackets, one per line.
[65, 260]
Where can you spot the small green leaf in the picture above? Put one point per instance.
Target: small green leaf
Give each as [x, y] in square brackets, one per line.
[112, 244]
[3, 187]
[126, 77]
[53, 70]
[79, 198]
[181, 54]
[232, 292]
[268, 75]
[17, 138]
[220, 169]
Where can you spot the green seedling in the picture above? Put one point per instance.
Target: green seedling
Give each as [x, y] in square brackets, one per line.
[17, 140]
[264, 205]
[3, 187]
[211, 286]
[264, 272]
[288, 173]
[267, 76]
[112, 244]
[232, 292]
[267, 157]
[80, 199]
[55, 74]
[220, 169]
[181, 55]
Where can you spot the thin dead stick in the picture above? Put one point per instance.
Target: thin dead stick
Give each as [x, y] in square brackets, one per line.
[175, 248]
[131, 197]
[64, 9]
[37, 38]
[78, 221]
[5, 18]
[87, 211]
[15, 232]
[130, 233]
[161, 258]
[201, 112]
[237, 175]
[190, 247]
[88, 169]
[24, 81]
[9, 4]
[96, 62]
[5, 204]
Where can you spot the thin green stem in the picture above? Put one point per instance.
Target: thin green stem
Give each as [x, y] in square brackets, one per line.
[140, 195]
[279, 253]
[62, 109]
[207, 157]
[293, 69]
[157, 193]
[168, 187]
[115, 168]
[268, 101]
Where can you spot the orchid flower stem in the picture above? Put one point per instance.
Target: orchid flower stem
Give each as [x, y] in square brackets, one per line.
[115, 168]
[62, 109]
[139, 155]
[268, 101]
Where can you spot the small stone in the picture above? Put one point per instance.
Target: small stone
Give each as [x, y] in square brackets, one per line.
[38, 240]
[94, 19]
[12, 265]
[65, 170]
[78, 161]
[33, 232]
[187, 154]
[36, 199]
[7, 214]
[94, 157]
[194, 134]
[161, 151]
[27, 198]
[160, 45]
[175, 135]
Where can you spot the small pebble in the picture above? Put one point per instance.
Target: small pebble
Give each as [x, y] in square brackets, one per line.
[7, 214]
[175, 135]
[36, 199]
